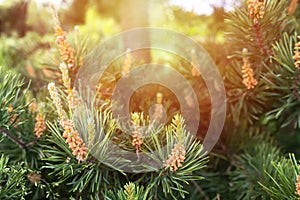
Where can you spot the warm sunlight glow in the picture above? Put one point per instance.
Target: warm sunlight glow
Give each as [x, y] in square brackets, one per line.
[203, 6]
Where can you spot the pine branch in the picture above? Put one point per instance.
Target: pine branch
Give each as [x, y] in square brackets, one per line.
[296, 85]
[20, 143]
[38, 46]
[201, 191]
[260, 40]
[12, 180]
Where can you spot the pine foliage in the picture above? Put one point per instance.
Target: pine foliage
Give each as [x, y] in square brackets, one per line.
[66, 143]
[12, 180]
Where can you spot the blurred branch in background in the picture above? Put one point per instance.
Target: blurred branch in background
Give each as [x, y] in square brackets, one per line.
[14, 18]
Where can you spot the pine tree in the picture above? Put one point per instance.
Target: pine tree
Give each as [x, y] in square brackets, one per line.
[262, 90]
[57, 144]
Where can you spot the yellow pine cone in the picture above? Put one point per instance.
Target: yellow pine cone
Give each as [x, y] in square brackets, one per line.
[72, 137]
[74, 141]
[248, 75]
[176, 159]
[296, 56]
[137, 140]
[66, 52]
[40, 125]
[248, 79]
[256, 10]
[298, 186]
